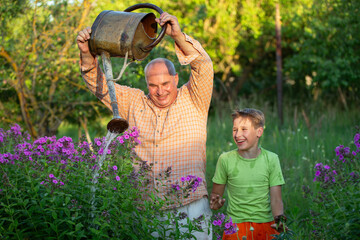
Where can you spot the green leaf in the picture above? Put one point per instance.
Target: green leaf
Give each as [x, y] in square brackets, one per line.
[78, 226]
[54, 214]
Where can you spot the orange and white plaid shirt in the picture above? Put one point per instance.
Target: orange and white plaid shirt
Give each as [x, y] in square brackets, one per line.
[174, 136]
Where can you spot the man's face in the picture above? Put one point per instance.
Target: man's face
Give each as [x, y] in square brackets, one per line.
[162, 86]
[245, 135]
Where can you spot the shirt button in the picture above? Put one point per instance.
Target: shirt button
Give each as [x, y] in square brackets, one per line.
[156, 145]
[158, 115]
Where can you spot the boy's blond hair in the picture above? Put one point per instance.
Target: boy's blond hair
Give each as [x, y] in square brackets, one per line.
[256, 116]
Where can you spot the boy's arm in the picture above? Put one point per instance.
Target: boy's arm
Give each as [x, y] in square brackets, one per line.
[277, 208]
[216, 200]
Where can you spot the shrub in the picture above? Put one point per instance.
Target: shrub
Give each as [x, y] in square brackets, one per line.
[56, 188]
[335, 199]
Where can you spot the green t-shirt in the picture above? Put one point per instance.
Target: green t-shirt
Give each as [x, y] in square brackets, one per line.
[248, 184]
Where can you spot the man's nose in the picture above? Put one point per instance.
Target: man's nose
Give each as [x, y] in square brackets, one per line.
[160, 91]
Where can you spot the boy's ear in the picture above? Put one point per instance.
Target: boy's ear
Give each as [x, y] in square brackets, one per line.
[259, 132]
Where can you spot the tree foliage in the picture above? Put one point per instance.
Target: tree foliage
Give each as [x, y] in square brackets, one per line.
[39, 70]
[326, 55]
[41, 86]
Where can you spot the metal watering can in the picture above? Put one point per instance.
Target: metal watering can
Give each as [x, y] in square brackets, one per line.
[127, 35]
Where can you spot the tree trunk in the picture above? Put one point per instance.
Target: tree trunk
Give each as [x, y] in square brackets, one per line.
[279, 65]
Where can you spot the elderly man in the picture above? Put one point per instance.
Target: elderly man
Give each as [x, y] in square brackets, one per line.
[172, 121]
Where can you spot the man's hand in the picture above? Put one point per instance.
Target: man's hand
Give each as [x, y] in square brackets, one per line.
[173, 29]
[82, 40]
[216, 202]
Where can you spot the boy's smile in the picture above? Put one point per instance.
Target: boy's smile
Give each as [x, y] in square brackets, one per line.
[246, 136]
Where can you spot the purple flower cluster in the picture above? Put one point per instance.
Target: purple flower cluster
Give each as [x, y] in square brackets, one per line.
[61, 154]
[225, 225]
[13, 134]
[187, 184]
[324, 173]
[339, 170]
[131, 136]
[342, 152]
[52, 181]
[357, 141]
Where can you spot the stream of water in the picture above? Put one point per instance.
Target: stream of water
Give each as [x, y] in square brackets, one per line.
[110, 136]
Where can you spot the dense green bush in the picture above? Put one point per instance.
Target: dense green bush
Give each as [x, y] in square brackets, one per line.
[55, 188]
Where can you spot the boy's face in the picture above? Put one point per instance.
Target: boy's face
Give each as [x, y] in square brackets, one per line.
[245, 135]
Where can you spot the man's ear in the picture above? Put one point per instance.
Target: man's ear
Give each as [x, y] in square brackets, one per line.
[259, 132]
[176, 79]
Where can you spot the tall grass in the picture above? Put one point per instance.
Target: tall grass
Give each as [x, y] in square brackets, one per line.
[309, 135]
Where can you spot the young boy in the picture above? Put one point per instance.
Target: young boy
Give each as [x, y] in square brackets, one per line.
[253, 178]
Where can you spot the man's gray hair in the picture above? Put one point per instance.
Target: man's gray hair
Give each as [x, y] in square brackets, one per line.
[169, 65]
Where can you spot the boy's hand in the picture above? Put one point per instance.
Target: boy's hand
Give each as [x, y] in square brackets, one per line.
[279, 224]
[280, 227]
[216, 202]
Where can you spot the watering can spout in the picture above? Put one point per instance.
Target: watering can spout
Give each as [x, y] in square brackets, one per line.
[117, 125]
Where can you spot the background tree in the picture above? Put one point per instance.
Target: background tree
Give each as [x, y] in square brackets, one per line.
[38, 65]
[40, 83]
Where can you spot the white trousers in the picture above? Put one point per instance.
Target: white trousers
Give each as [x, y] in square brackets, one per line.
[195, 210]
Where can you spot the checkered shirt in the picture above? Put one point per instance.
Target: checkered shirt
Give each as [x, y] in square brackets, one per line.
[174, 136]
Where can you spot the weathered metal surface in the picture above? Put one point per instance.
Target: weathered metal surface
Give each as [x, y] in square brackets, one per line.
[120, 32]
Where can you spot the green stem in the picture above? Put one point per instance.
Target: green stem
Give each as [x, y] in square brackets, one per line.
[332, 196]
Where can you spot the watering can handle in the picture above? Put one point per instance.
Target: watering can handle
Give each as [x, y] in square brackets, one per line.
[163, 29]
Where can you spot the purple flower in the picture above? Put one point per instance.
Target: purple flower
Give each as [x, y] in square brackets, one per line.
[356, 137]
[120, 139]
[182, 179]
[101, 151]
[42, 182]
[55, 181]
[117, 178]
[115, 167]
[354, 153]
[317, 173]
[98, 143]
[175, 187]
[126, 136]
[51, 175]
[227, 225]
[326, 167]
[61, 183]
